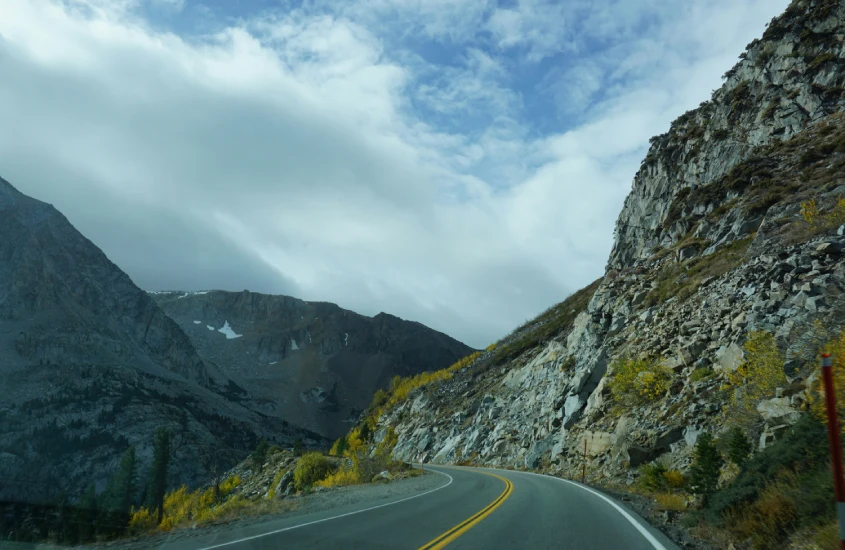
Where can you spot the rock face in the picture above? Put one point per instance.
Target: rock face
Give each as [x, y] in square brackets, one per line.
[711, 244]
[311, 363]
[790, 78]
[89, 364]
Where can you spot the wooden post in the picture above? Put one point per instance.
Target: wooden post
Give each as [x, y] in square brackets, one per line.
[584, 462]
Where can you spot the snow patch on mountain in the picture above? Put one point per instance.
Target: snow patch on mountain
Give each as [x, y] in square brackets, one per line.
[227, 330]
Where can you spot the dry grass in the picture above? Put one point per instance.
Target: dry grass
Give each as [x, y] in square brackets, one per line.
[767, 521]
[671, 501]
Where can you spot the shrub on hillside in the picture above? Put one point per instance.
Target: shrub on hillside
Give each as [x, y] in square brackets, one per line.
[739, 447]
[757, 378]
[310, 469]
[639, 380]
[706, 466]
[803, 449]
[652, 477]
[345, 475]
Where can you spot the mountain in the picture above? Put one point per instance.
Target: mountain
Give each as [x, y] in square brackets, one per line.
[312, 363]
[90, 364]
[731, 239]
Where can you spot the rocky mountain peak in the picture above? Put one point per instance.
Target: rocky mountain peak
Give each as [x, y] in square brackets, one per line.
[313, 363]
[784, 82]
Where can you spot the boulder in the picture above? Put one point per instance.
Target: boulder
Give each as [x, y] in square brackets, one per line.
[597, 442]
[778, 410]
[729, 358]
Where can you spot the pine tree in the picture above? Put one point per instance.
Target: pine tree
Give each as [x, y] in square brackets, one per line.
[87, 510]
[365, 432]
[297, 446]
[158, 475]
[119, 496]
[706, 466]
[260, 455]
[739, 447]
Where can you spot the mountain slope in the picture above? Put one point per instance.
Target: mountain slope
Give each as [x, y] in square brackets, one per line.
[90, 364]
[312, 363]
[717, 240]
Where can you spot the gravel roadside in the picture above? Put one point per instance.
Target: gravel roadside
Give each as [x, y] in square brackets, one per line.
[300, 505]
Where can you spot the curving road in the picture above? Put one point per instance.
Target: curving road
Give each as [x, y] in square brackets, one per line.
[473, 508]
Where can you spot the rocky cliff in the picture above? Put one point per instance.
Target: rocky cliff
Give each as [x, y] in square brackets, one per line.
[89, 364]
[712, 244]
[312, 363]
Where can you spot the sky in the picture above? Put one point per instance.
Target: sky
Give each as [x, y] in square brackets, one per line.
[460, 163]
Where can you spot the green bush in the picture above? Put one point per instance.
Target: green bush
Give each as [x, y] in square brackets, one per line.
[310, 469]
[700, 374]
[653, 477]
[739, 447]
[803, 448]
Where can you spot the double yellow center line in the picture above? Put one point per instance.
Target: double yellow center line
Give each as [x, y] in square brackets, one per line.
[466, 525]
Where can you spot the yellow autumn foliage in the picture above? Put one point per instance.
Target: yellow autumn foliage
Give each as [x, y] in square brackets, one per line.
[342, 477]
[813, 216]
[756, 379]
[182, 506]
[639, 380]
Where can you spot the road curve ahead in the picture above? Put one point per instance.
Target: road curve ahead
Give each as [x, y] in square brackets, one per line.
[474, 508]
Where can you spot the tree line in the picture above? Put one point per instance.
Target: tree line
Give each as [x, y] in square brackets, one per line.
[93, 515]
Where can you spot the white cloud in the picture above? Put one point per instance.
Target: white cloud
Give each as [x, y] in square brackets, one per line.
[538, 25]
[286, 154]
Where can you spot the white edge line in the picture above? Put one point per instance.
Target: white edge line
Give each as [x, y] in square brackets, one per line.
[643, 531]
[333, 517]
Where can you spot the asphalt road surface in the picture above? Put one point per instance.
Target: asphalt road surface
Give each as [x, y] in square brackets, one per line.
[476, 508]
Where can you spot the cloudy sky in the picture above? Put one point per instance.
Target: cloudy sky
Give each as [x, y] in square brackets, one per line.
[456, 162]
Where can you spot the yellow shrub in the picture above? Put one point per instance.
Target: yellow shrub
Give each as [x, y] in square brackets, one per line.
[341, 478]
[809, 211]
[671, 501]
[639, 380]
[811, 214]
[310, 469]
[492, 346]
[229, 485]
[757, 378]
[388, 443]
[141, 520]
[675, 479]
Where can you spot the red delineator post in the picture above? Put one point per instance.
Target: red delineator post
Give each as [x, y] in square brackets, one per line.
[835, 444]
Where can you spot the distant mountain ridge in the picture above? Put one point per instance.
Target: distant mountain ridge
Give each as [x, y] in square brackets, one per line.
[90, 364]
[313, 363]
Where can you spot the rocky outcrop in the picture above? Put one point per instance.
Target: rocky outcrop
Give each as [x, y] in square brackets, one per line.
[312, 363]
[90, 364]
[784, 82]
[712, 243]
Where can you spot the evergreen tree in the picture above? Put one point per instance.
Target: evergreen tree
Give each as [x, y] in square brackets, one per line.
[706, 466]
[259, 456]
[739, 447]
[158, 475]
[87, 513]
[119, 496]
[365, 432]
[341, 446]
[297, 446]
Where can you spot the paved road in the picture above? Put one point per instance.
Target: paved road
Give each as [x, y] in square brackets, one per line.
[475, 508]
